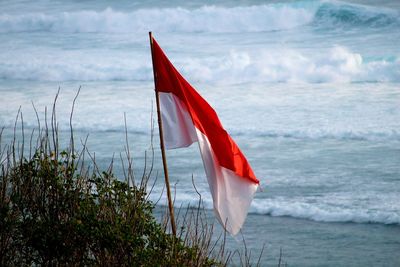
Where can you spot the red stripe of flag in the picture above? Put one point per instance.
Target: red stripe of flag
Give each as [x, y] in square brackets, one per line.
[204, 118]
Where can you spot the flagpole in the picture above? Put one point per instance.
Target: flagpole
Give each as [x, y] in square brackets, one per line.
[164, 158]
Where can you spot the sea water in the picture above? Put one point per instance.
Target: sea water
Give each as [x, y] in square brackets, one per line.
[310, 91]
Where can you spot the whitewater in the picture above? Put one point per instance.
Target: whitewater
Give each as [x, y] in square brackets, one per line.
[309, 90]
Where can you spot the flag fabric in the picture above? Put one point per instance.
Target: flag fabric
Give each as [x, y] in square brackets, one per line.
[188, 118]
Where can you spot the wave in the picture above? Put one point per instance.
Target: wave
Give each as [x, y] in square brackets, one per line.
[320, 213]
[318, 134]
[343, 15]
[301, 210]
[204, 19]
[337, 65]
[73, 67]
[115, 125]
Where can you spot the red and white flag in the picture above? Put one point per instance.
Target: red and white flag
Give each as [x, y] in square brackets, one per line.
[188, 118]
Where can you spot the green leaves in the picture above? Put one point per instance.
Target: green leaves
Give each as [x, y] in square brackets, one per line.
[52, 215]
[54, 211]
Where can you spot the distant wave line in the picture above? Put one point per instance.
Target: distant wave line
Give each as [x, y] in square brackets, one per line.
[311, 134]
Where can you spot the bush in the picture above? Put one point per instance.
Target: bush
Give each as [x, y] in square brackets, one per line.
[54, 211]
[49, 216]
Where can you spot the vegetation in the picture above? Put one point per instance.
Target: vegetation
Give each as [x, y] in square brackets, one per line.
[58, 209]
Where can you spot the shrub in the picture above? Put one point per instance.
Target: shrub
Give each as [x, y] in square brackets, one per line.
[54, 211]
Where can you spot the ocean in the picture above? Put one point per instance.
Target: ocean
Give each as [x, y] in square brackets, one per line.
[309, 90]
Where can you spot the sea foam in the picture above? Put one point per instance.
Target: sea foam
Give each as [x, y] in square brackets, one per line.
[282, 207]
[339, 64]
[321, 213]
[203, 19]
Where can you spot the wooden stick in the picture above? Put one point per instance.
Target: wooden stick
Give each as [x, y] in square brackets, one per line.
[164, 159]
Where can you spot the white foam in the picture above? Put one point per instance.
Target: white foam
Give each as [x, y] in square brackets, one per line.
[203, 19]
[257, 18]
[325, 212]
[310, 209]
[337, 65]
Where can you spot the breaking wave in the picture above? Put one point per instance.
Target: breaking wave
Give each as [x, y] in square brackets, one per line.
[326, 213]
[204, 19]
[344, 14]
[338, 64]
[303, 210]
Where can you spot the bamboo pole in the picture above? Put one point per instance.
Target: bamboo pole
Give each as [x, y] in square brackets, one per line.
[162, 146]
